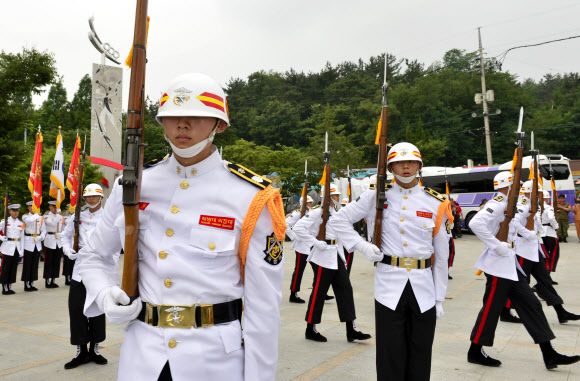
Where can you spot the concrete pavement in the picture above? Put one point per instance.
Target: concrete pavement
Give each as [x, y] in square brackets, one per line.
[34, 333]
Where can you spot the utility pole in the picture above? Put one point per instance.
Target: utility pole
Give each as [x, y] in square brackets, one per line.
[484, 99]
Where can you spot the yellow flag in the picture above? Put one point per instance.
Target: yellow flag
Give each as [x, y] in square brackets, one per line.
[378, 138]
[553, 184]
[323, 179]
[303, 191]
[447, 189]
[540, 182]
[514, 161]
[531, 177]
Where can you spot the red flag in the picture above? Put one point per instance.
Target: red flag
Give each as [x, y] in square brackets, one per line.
[35, 177]
[72, 180]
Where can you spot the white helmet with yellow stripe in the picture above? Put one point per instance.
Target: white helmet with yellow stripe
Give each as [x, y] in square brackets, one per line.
[93, 190]
[402, 152]
[502, 180]
[193, 94]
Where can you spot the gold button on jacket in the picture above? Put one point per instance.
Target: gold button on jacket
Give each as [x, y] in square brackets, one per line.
[162, 254]
[184, 184]
[172, 344]
[168, 283]
[174, 209]
[212, 246]
[169, 232]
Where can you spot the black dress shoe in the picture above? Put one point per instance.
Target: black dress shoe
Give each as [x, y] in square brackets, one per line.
[32, 288]
[506, 316]
[553, 360]
[97, 359]
[315, 336]
[54, 285]
[449, 276]
[6, 292]
[554, 283]
[28, 289]
[296, 299]
[11, 292]
[566, 316]
[357, 335]
[328, 297]
[66, 283]
[79, 360]
[478, 356]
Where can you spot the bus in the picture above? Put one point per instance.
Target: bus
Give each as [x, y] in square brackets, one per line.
[470, 186]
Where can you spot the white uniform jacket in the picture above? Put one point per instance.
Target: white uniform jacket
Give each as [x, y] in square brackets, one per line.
[34, 225]
[88, 222]
[407, 231]
[527, 242]
[54, 228]
[15, 229]
[485, 225]
[190, 227]
[549, 222]
[307, 230]
[297, 244]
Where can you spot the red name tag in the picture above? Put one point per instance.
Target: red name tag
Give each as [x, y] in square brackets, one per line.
[143, 205]
[217, 222]
[425, 214]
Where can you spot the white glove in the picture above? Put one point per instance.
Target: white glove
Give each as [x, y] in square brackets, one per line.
[117, 308]
[320, 245]
[3, 238]
[439, 309]
[503, 249]
[71, 254]
[370, 251]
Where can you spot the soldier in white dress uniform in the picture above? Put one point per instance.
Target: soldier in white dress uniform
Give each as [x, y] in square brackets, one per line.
[411, 276]
[53, 245]
[549, 235]
[329, 266]
[506, 279]
[302, 251]
[34, 234]
[187, 324]
[12, 248]
[84, 329]
[67, 263]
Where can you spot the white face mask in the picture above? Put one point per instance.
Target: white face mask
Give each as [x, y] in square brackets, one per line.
[337, 205]
[406, 180]
[93, 206]
[194, 150]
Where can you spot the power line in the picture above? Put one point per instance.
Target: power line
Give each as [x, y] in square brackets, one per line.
[504, 54]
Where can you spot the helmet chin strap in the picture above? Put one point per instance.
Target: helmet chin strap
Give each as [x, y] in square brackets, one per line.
[194, 150]
[92, 206]
[406, 180]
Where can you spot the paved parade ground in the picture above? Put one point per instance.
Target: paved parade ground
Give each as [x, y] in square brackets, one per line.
[34, 330]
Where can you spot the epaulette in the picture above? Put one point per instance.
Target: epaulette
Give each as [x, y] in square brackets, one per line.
[297, 210]
[387, 186]
[524, 201]
[498, 198]
[314, 207]
[154, 162]
[434, 193]
[249, 176]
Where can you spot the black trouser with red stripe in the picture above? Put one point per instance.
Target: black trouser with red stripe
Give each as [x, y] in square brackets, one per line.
[342, 288]
[299, 267]
[30, 265]
[544, 285]
[553, 249]
[349, 260]
[451, 252]
[404, 339]
[52, 262]
[526, 304]
[9, 267]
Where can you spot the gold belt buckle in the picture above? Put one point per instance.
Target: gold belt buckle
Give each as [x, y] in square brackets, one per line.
[206, 315]
[176, 316]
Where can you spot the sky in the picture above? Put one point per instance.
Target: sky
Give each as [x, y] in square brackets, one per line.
[228, 39]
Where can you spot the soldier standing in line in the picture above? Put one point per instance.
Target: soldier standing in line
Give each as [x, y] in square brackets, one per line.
[549, 235]
[349, 256]
[34, 234]
[206, 240]
[302, 251]
[12, 247]
[83, 329]
[506, 279]
[410, 284]
[328, 263]
[562, 210]
[52, 245]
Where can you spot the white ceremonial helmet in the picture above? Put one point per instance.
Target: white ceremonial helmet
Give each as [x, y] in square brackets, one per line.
[502, 180]
[527, 187]
[193, 94]
[404, 151]
[333, 190]
[344, 201]
[93, 190]
[308, 199]
[546, 195]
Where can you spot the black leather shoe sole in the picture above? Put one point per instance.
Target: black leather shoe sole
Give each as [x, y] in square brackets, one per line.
[358, 336]
[315, 337]
[485, 361]
[77, 361]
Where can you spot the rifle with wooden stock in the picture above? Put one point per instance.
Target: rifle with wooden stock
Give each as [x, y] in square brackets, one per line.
[134, 151]
[382, 164]
[511, 210]
[326, 197]
[349, 184]
[77, 218]
[6, 213]
[534, 193]
[304, 191]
